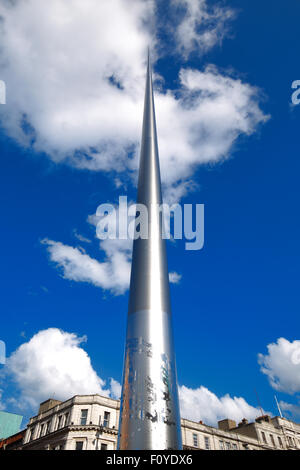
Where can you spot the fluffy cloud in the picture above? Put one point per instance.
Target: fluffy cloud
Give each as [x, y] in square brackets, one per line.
[53, 361]
[112, 274]
[74, 72]
[203, 405]
[201, 26]
[282, 365]
[203, 125]
[75, 77]
[116, 389]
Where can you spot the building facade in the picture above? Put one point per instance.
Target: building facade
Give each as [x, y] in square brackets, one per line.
[85, 422]
[90, 422]
[14, 442]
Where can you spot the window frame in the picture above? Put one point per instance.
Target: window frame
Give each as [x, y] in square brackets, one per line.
[84, 419]
[79, 442]
[207, 442]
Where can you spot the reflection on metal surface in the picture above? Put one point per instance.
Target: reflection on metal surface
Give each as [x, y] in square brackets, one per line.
[149, 406]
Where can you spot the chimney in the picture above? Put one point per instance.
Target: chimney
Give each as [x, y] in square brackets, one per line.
[244, 422]
[226, 424]
[48, 404]
[265, 418]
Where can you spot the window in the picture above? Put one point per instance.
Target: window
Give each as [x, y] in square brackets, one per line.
[195, 440]
[42, 429]
[263, 437]
[59, 424]
[106, 419]
[234, 446]
[227, 444]
[79, 445]
[221, 444]
[67, 415]
[272, 440]
[103, 446]
[207, 443]
[31, 434]
[83, 418]
[280, 442]
[48, 427]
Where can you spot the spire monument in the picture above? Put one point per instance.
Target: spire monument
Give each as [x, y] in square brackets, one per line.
[150, 417]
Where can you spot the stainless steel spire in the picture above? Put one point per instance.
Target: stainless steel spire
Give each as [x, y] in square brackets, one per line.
[150, 417]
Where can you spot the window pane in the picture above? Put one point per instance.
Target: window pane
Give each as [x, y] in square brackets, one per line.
[79, 445]
[83, 418]
[106, 419]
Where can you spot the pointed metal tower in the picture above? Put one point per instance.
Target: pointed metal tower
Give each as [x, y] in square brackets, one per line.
[150, 417]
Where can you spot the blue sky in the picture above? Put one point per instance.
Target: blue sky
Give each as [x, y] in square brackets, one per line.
[236, 296]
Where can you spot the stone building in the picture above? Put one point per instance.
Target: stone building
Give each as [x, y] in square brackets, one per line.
[13, 442]
[85, 422]
[90, 422]
[265, 433]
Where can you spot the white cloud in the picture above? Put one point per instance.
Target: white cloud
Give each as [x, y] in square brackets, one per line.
[203, 405]
[116, 389]
[63, 60]
[111, 274]
[175, 278]
[204, 124]
[293, 410]
[202, 26]
[53, 362]
[75, 77]
[80, 237]
[282, 365]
